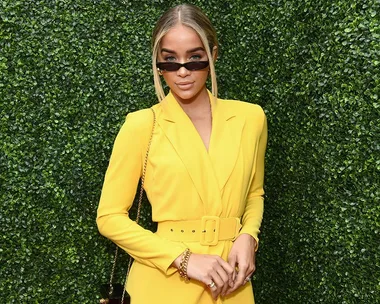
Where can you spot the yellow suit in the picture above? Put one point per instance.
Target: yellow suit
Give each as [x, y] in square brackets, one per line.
[183, 181]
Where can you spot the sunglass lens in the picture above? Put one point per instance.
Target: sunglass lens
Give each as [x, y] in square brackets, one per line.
[175, 66]
[196, 65]
[168, 66]
[172, 66]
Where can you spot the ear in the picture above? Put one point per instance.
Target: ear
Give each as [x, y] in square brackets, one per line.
[214, 53]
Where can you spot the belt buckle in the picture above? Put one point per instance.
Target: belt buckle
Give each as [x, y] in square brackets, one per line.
[209, 230]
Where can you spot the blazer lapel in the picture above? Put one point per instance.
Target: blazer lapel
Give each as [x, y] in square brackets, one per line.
[225, 140]
[186, 141]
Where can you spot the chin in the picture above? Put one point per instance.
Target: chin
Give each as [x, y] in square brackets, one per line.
[187, 95]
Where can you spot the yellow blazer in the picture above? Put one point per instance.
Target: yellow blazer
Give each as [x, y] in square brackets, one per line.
[183, 181]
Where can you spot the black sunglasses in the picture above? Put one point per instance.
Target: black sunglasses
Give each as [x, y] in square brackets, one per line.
[175, 66]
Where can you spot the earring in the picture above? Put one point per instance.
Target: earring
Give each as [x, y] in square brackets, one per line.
[159, 72]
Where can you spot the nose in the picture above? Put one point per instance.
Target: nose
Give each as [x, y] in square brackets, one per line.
[183, 72]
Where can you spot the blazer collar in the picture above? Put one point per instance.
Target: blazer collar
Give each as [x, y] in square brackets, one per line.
[173, 112]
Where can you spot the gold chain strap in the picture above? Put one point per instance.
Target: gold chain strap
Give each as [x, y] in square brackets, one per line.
[144, 169]
[137, 216]
[113, 270]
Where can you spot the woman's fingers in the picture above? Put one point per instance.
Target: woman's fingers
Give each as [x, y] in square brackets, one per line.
[217, 287]
[212, 270]
[232, 262]
[230, 270]
[226, 276]
[242, 274]
[213, 289]
[222, 275]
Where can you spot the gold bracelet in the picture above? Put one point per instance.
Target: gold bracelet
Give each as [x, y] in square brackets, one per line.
[183, 264]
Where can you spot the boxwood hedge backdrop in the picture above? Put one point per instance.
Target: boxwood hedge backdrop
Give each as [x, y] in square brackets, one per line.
[71, 69]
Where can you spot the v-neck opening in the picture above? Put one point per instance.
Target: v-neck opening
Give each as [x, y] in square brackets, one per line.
[207, 149]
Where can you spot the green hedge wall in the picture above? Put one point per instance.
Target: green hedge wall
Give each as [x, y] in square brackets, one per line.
[71, 69]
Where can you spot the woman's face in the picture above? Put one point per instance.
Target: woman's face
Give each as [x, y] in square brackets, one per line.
[182, 44]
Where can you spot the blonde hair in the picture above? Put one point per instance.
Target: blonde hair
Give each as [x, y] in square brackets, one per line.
[191, 16]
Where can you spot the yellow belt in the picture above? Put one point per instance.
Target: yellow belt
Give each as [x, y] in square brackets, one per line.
[207, 231]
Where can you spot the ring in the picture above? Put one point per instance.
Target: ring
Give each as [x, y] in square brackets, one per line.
[212, 284]
[248, 279]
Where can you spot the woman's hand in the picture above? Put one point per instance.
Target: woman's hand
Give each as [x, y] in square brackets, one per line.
[242, 257]
[207, 269]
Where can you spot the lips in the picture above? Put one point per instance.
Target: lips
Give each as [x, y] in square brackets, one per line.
[184, 85]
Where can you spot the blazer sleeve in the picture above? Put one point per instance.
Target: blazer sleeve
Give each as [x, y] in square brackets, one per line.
[119, 190]
[253, 214]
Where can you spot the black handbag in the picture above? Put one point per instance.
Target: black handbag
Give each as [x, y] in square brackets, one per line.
[115, 293]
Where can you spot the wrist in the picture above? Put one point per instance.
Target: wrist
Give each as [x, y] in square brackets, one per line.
[250, 238]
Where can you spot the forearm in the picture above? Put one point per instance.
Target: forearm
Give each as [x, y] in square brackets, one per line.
[143, 245]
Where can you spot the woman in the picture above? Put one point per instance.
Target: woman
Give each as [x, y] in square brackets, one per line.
[204, 177]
